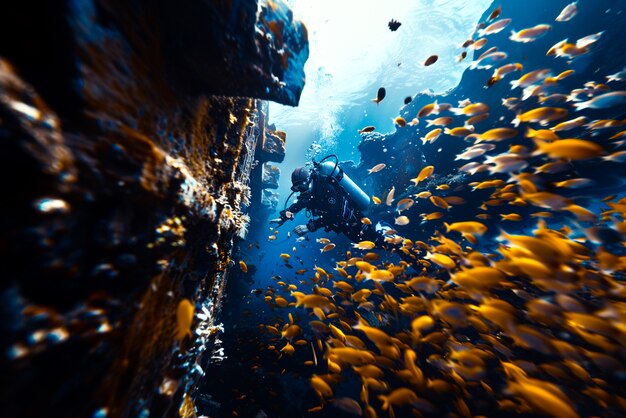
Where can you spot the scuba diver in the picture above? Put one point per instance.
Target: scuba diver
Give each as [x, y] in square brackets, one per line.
[333, 202]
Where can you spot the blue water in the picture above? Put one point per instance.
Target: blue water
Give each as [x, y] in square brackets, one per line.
[353, 54]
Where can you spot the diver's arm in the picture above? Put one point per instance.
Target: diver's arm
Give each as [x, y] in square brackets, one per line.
[297, 206]
[317, 223]
[311, 226]
[294, 208]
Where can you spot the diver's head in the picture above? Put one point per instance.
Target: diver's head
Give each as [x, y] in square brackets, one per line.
[300, 179]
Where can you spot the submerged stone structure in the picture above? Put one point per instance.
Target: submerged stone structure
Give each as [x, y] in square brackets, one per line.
[264, 176]
[129, 131]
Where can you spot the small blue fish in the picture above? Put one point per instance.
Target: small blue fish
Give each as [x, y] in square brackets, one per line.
[603, 101]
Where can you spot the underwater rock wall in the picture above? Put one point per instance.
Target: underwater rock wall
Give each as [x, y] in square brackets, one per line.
[129, 131]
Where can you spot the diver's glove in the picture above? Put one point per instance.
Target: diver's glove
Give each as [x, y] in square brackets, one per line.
[301, 230]
[284, 216]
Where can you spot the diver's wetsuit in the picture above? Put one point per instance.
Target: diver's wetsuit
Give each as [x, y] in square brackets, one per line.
[331, 209]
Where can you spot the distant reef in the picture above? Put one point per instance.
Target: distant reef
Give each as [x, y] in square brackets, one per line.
[405, 153]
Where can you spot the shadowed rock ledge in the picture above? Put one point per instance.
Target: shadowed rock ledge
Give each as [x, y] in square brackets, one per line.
[128, 131]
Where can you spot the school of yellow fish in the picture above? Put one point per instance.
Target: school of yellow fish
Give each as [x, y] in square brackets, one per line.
[538, 326]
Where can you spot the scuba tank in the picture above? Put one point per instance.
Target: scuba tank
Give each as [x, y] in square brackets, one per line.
[357, 195]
